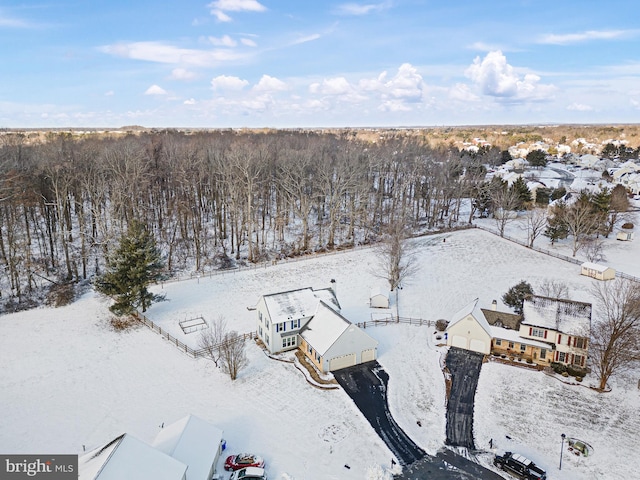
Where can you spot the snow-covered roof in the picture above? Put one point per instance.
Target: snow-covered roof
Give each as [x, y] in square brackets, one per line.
[194, 442]
[512, 336]
[324, 328]
[595, 266]
[127, 458]
[566, 316]
[474, 310]
[295, 304]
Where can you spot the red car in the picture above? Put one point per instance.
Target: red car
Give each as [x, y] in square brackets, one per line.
[243, 460]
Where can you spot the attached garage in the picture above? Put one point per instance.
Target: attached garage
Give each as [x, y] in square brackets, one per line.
[469, 329]
[343, 361]
[332, 342]
[368, 355]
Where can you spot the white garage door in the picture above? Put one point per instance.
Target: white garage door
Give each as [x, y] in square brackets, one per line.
[368, 355]
[478, 346]
[459, 341]
[342, 362]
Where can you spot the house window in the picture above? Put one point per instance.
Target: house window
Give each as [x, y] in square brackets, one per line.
[295, 324]
[281, 327]
[537, 332]
[266, 322]
[543, 353]
[498, 342]
[580, 343]
[577, 360]
[289, 341]
[317, 357]
[561, 356]
[309, 348]
[260, 316]
[523, 347]
[267, 339]
[511, 345]
[260, 329]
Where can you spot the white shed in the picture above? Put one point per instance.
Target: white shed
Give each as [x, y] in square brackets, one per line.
[194, 442]
[599, 272]
[379, 298]
[332, 342]
[469, 329]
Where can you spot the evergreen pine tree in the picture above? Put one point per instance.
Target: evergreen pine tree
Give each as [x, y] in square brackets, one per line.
[515, 296]
[130, 270]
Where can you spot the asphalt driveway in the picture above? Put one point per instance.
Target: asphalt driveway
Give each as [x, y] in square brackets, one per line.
[464, 367]
[366, 384]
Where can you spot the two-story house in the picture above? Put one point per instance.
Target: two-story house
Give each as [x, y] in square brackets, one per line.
[281, 315]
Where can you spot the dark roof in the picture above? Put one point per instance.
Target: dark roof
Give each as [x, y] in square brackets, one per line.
[502, 319]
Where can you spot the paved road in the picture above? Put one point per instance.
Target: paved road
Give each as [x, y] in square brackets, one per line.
[464, 367]
[366, 384]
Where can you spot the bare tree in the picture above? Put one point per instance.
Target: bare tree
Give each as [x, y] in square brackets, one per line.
[593, 249]
[226, 348]
[536, 224]
[212, 337]
[553, 289]
[615, 336]
[505, 200]
[396, 255]
[581, 221]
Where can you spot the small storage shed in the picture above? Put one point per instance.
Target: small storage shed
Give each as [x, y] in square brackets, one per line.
[379, 298]
[599, 272]
[625, 235]
[470, 330]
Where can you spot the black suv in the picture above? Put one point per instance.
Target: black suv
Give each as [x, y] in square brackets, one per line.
[519, 466]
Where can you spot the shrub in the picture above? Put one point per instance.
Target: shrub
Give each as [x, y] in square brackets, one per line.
[565, 374]
[122, 323]
[627, 226]
[578, 379]
[576, 371]
[61, 294]
[559, 368]
[441, 325]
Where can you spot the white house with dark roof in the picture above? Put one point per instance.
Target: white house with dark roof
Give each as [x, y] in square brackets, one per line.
[332, 342]
[194, 442]
[469, 329]
[281, 315]
[127, 458]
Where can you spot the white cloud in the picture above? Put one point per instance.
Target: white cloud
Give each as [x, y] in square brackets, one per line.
[109, 93]
[12, 22]
[331, 86]
[219, 7]
[462, 92]
[496, 78]
[359, 9]
[248, 42]
[224, 41]
[406, 87]
[182, 74]
[580, 107]
[270, 84]
[155, 90]
[394, 106]
[307, 38]
[569, 38]
[224, 82]
[191, 101]
[162, 53]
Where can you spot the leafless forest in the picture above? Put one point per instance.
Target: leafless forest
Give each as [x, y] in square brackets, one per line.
[211, 199]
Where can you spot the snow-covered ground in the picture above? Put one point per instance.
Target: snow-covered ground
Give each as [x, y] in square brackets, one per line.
[67, 380]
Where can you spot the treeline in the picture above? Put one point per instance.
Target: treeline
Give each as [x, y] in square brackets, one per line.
[212, 199]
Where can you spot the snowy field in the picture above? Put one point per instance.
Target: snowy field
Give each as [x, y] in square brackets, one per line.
[67, 380]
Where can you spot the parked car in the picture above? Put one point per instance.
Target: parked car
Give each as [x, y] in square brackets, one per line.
[520, 466]
[249, 473]
[243, 460]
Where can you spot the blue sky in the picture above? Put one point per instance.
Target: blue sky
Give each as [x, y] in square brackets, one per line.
[313, 63]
